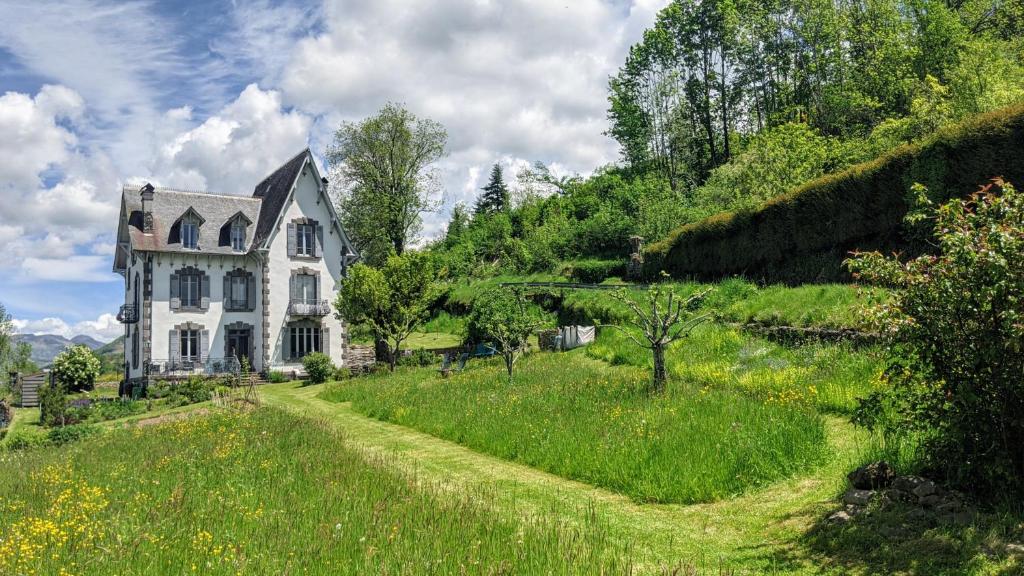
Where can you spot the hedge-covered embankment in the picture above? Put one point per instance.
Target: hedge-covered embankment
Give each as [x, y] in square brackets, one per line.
[805, 234]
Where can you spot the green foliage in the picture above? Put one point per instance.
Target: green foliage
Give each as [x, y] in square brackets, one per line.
[181, 393]
[581, 419]
[76, 368]
[276, 377]
[503, 318]
[384, 178]
[418, 358]
[804, 234]
[73, 433]
[956, 326]
[495, 197]
[595, 271]
[337, 501]
[318, 367]
[53, 405]
[102, 410]
[392, 300]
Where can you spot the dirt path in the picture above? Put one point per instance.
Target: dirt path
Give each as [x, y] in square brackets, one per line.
[757, 531]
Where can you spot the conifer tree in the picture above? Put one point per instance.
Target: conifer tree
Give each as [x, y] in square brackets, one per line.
[495, 196]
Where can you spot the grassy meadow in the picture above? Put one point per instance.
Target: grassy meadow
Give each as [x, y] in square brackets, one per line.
[582, 419]
[262, 493]
[828, 377]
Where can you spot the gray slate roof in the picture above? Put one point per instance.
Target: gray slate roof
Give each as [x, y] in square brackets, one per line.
[170, 205]
[273, 190]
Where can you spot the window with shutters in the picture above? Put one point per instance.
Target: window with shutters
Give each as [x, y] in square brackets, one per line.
[239, 291]
[190, 289]
[305, 240]
[304, 340]
[188, 347]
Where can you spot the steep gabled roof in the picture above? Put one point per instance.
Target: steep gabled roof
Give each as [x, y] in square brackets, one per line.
[273, 191]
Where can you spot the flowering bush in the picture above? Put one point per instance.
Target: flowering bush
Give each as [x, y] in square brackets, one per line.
[76, 368]
[956, 325]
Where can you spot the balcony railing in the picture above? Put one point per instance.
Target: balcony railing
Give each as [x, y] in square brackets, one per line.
[128, 314]
[184, 367]
[302, 307]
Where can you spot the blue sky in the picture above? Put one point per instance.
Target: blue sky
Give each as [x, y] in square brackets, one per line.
[213, 95]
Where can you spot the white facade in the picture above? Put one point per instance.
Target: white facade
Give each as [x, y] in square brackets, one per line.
[280, 290]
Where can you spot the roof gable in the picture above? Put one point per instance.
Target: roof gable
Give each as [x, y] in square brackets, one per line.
[274, 191]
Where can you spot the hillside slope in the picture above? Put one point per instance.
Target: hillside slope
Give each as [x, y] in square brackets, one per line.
[804, 235]
[45, 347]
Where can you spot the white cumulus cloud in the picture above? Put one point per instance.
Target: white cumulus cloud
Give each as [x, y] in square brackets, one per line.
[105, 328]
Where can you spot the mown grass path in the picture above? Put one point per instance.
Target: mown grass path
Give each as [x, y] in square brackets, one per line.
[759, 531]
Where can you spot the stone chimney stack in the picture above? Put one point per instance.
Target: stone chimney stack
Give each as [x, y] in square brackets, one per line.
[147, 208]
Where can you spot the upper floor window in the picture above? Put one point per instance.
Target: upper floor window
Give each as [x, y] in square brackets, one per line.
[238, 236]
[190, 289]
[239, 291]
[190, 233]
[304, 288]
[305, 238]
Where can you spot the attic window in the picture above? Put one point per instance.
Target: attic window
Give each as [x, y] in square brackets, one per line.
[238, 236]
[190, 232]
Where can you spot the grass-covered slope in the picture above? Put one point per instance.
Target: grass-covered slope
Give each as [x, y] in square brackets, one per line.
[266, 493]
[585, 420]
[804, 234]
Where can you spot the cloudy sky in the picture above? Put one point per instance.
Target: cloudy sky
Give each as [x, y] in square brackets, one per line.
[213, 95]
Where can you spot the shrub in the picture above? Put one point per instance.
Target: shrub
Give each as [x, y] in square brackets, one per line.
[595, 271]
[66, 434]
[342, 373]
[418, 358]
[318, 367]
[277, 377]
[505, 318]
[24, 440]
[76, 368]
[805, 234]
[53, 405]
[956, 329]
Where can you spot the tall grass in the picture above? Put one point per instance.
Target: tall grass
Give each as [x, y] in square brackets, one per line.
[829, 377]
[267, 493]
[581, 419]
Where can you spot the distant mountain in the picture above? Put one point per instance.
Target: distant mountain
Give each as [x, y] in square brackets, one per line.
[45, 347]
[111, 355]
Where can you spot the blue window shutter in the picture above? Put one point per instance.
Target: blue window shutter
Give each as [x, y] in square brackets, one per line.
[175, 295]
[174, 353]
[204, 290]
[291, 240]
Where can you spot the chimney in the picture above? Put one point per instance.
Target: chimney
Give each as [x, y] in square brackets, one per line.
[147, 208]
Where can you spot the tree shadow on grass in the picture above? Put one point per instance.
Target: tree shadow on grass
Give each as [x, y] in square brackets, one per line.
[901, 539]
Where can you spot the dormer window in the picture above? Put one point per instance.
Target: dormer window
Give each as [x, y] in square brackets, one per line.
[304, 235]
[238, 236]
[190, 232]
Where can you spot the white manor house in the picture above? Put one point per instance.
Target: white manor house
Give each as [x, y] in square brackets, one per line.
[210, 279]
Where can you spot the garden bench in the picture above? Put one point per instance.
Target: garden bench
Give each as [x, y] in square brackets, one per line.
[446, 363]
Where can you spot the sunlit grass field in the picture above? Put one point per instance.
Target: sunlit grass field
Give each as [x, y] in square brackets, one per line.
[583, 419]
[829, 377]
[263, 493]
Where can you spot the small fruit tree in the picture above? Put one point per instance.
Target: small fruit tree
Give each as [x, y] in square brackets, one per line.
[76, 368]
[955, 324]
[505, 318]
[392, 300]
[661, 318]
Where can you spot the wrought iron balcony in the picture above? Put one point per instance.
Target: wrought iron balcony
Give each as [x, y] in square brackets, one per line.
[128, 314]
[302, 307]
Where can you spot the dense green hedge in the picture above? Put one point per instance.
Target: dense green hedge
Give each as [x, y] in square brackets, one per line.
[595, 271]
[804, 235]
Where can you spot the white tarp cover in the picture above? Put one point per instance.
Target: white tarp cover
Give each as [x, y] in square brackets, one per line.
[576, 336]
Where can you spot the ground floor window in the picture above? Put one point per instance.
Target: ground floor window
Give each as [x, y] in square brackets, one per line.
[189, 349]
[304, 340]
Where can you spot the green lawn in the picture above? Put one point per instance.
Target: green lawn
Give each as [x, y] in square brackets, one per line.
[264, 493]
[581, 419]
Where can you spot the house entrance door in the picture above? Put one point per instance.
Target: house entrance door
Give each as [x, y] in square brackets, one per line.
[240, 344]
